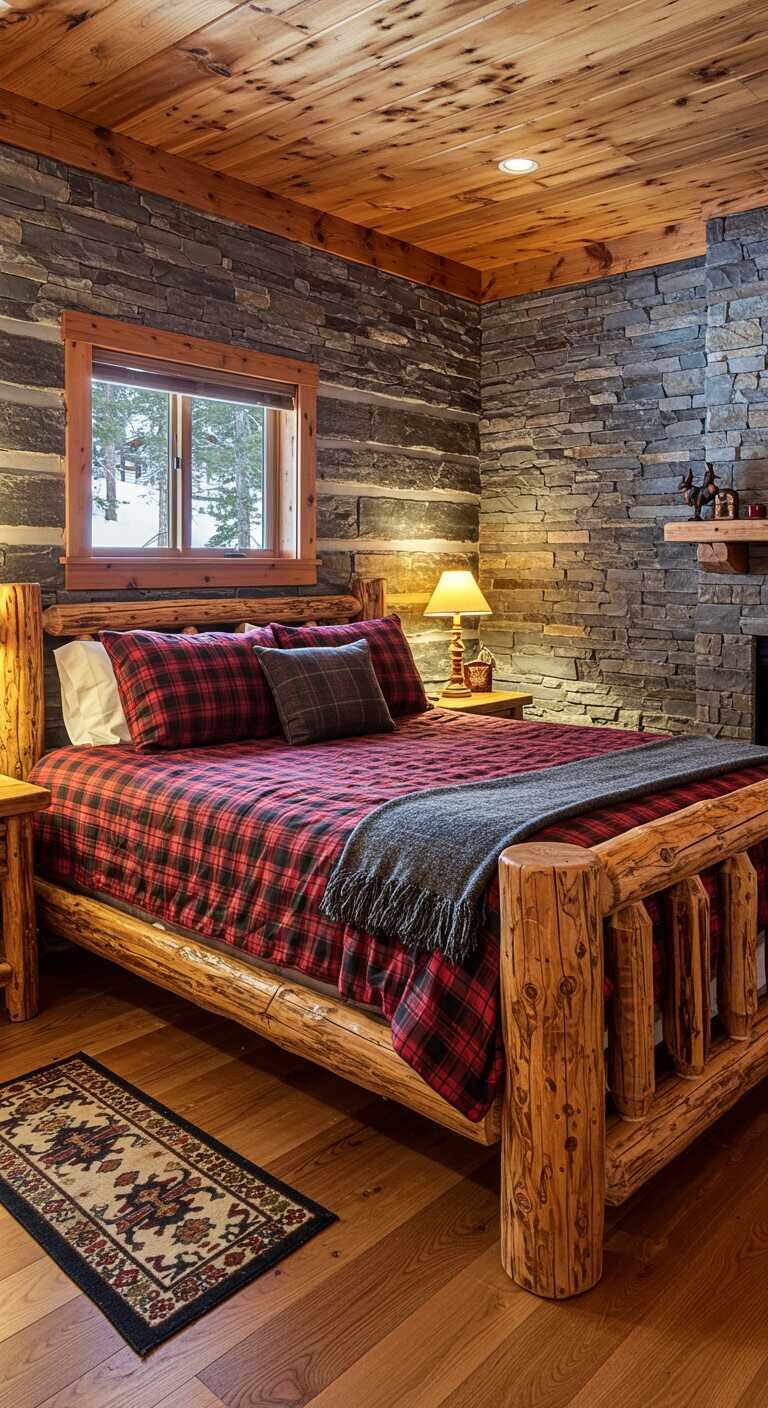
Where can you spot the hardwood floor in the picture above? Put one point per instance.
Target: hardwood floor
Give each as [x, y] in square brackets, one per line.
[403, 1301]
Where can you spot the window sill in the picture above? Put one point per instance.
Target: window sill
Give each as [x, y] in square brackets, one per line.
[120, 573]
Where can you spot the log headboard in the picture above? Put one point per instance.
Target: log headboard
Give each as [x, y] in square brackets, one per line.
[24, 623]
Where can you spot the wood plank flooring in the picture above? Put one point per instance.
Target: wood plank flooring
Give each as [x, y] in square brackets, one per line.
[403, 1301]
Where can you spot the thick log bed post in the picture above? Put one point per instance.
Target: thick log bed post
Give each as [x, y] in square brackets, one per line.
[553, 1122]
[21, 679]
[21, 745]
[371, 594]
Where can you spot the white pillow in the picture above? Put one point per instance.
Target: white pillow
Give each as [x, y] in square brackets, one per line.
[89, 698]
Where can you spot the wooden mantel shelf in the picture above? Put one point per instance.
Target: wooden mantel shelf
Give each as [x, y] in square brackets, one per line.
[718, 530]
[722, 544]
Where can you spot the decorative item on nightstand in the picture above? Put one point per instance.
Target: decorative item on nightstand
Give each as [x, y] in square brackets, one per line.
[457, 594]
[478, 674]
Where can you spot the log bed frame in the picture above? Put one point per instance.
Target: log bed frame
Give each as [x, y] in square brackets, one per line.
[565, 911]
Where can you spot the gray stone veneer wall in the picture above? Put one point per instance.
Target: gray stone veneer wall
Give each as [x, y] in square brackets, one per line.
[593, 407]
[398, 481]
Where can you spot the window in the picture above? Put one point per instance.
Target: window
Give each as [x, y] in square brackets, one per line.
[188, 462]
[148, 443]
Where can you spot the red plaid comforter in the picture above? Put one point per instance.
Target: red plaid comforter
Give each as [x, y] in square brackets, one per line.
[236, 842]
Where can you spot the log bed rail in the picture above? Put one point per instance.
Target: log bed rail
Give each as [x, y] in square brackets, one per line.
[568, 915]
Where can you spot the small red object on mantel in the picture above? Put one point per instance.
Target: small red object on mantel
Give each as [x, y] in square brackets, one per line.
[755, 510]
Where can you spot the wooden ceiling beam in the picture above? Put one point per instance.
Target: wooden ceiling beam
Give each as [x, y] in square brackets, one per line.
[35, 128]
[27, 124]
[621, 204]
[596, 260]
[393, 116]
[637, 208]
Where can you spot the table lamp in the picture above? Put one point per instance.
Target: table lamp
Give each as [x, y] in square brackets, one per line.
[457, 594]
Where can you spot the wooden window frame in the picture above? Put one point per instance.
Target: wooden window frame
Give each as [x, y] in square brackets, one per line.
[291, 558]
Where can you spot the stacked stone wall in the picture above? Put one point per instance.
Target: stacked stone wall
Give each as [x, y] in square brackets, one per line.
[593, 402]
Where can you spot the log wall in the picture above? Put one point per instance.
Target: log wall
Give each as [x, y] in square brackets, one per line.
[398, 474]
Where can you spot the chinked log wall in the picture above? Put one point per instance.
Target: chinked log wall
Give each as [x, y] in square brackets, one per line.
[398, 479]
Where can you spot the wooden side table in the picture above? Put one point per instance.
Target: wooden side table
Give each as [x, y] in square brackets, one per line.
[506, 704]
[18, 968]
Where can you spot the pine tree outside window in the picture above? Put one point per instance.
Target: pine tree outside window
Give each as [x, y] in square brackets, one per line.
[187, 461]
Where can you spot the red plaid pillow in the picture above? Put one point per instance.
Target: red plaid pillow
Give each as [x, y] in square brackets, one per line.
[390, 656]
[178, 691]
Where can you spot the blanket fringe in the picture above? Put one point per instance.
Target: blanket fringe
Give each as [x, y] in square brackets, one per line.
[426, 922]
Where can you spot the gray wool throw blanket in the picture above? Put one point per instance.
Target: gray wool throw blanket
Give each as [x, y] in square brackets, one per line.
[417, 869]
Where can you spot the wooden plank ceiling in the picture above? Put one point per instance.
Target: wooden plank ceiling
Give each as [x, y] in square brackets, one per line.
[393, 114]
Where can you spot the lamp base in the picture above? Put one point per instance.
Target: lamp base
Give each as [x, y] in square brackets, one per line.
[456, 688]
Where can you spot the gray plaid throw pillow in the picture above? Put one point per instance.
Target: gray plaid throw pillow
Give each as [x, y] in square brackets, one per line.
[325, 691]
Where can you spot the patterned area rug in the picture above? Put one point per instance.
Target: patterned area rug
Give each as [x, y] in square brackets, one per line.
[153, 1219]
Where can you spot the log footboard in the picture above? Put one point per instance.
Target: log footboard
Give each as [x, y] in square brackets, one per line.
[564, 912]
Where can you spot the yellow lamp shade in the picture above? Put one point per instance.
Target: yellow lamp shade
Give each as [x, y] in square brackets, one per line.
[457, 594]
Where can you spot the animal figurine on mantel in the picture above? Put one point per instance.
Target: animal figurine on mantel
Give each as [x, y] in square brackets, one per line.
[700, 496]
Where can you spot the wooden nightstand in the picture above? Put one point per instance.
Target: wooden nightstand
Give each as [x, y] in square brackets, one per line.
[506, 704]
[18, 971]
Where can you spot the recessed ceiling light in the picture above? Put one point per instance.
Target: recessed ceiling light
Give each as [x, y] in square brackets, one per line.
[518, 165]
